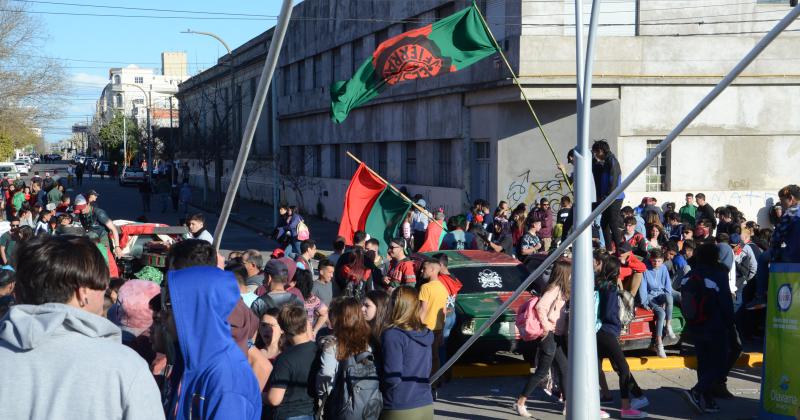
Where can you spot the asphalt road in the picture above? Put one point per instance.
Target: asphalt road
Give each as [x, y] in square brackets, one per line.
[126, 203]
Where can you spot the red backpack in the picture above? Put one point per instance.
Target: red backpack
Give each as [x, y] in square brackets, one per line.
[527, 321]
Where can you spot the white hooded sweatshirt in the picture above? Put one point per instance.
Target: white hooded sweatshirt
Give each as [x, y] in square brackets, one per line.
[61, 362]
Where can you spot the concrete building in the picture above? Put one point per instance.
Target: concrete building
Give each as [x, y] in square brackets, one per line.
[468, 135]
[129, 87]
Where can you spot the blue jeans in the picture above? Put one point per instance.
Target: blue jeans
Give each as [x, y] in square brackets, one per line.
[293, 249]
[663, 314]
[449, 323]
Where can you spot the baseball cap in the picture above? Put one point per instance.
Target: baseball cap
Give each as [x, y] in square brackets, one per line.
[50, 206]
[80, 200]
[275, 267]
[92, 192]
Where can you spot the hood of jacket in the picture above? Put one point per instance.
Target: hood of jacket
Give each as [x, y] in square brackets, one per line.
[422, 337]
[202, 298]
[26, 327]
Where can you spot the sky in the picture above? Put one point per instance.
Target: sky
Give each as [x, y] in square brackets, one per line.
[88, 46]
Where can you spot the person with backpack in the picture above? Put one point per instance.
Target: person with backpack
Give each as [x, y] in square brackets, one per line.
[608, 340]
[293, 231]
[546, 318]
[707, 307]
[356, 275]
[347, 381]
[406, 363]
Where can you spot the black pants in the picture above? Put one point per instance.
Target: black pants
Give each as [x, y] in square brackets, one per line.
[611, 223]
[608, 346]
[711, 361]
[419, 239]
[733, 349]
[548, 352]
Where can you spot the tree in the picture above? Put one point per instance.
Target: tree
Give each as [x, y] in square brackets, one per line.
[6, 148]
[112, 139]
[32, 86]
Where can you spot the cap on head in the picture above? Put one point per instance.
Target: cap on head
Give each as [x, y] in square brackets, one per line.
[80, 200]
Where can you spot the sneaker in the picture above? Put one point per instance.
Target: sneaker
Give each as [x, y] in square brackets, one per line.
[670, 333]
[521, 410]
[710, 406]
[760, 302]
[660, 351]
[603, 415]
[633, 414]
[694, 399]
[639, 403]
[721, 391]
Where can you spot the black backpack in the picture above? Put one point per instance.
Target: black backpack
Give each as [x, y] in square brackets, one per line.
[699, 299]
[356, 393]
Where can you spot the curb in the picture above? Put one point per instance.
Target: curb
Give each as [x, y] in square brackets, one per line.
[480, 370]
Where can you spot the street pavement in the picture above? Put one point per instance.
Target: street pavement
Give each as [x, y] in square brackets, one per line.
[491, 398]
[126, 203]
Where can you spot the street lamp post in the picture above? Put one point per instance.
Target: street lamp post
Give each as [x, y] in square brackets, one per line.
[232, 94]
[149, 97]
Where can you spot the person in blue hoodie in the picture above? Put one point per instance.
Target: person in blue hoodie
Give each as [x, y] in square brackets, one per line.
[406, 347]
[655, 293]
[211, 378]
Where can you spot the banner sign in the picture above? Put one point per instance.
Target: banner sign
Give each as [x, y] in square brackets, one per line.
[780, 392]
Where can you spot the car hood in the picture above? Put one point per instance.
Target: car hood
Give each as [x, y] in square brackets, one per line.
[483, 305]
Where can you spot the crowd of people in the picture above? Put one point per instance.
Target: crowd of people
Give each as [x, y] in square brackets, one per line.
[354, 334]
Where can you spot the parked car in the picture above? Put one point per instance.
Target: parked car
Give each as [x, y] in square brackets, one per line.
[488, 280]
[8, 170]
[131, 175]
[28, 161]
[22, 167]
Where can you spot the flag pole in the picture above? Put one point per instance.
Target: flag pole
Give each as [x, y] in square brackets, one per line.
[415, 205]
[524, 96]
[252, 121]
[654, 153]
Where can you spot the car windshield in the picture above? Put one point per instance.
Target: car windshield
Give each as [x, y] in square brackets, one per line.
[7, 169]
[19, 162]
[490, 278]
[133, 170]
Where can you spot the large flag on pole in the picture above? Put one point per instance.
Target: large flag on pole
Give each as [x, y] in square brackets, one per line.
[372, 206]
[433, 238]
[446, 46]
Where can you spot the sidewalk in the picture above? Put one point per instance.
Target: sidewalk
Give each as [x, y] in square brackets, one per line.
[258, 217]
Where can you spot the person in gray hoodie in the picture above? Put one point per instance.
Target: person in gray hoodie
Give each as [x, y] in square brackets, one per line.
[59, 357]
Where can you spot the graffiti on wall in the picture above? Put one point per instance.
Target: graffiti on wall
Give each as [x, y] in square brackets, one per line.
[523, 190]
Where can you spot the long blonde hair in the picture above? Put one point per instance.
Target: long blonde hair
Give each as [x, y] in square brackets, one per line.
[405, 309]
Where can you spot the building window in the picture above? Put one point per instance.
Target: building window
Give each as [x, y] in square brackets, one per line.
[656, 173]
[317, 159]
[284, 160]
[301, 75]
[383, 156]
[117, 79]
[138, 79]
[446, 163]
[318, 76]
[381, 36]
[482, 150]
[411, 163]
[118, 100]
[287, 79]
[138, 101]
[336, 159]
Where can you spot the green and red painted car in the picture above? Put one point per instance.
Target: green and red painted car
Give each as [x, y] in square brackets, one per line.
[488, 281]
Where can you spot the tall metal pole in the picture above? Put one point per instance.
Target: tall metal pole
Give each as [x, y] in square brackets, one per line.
[252, 119]
[582, 396]
[275, 149]
[124, 140]
[625, 183]
[149, 136]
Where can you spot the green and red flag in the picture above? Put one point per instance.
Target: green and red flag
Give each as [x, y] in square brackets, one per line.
[373, 206]
[433, 237]
[446, 46]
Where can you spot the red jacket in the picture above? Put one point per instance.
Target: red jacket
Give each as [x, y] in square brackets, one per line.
[633, 265]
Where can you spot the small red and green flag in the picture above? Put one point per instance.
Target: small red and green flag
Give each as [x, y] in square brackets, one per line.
[446, 46]
[373, 206]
